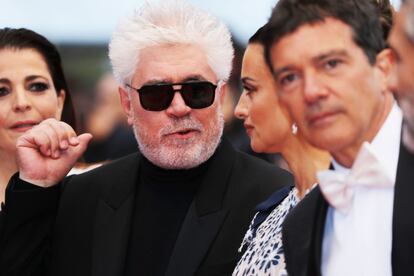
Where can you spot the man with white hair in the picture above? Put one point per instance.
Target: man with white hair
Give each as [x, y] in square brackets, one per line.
[180, 208]
[402, 82]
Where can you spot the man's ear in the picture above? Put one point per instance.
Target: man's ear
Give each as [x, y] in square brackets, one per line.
[385, 63]
[223, 91]
[126, 104]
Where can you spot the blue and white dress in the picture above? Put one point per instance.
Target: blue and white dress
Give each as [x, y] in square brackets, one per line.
[264, 252]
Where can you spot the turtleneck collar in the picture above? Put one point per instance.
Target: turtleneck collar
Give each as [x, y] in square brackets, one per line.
[155, 174]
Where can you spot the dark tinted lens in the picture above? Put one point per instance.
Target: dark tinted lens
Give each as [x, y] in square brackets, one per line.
[156, 97]
[199, 94]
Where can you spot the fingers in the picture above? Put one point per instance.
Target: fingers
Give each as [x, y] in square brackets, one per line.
[50, 137]
[47, 152]
[54, 136]
[84, 140]
[74, 152]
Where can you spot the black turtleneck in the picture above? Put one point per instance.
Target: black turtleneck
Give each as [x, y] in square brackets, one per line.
[162, 201]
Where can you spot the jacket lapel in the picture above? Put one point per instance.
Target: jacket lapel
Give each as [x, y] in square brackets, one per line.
[205, 215]
[318, 231]
[403, 217]
[113, 219]
[303, 235]
[321, 212]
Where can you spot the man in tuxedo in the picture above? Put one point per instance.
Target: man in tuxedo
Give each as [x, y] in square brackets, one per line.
[331, 67]
[402, 83]
[180, 208]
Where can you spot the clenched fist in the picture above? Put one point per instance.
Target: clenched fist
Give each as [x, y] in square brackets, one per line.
[47, 152]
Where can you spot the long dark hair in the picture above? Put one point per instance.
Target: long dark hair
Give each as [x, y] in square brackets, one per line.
[26, 39]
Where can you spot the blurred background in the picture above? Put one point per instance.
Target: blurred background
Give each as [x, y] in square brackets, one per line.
[82, 28]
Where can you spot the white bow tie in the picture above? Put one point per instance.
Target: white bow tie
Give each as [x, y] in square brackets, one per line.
[338, 187]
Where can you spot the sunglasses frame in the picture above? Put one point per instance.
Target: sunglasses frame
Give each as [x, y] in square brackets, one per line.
[180, 90]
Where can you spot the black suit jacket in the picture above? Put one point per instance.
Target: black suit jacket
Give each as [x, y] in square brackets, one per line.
[91, 231]
[303, 228]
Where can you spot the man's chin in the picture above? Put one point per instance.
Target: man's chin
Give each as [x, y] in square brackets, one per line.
[176, 156]
[177, 144]
[329, 141]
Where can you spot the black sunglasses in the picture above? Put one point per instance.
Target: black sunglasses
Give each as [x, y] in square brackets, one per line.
[157, 97]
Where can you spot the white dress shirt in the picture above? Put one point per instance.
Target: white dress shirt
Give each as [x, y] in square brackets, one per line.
[359, 242]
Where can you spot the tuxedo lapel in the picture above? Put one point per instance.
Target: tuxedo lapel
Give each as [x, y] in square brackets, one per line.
[205, 216]
[113, 220]
[403, 217]
[303, 235]
[318, 231]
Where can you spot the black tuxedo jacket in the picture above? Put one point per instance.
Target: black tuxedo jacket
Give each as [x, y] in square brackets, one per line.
[304, 226]
[93, 219]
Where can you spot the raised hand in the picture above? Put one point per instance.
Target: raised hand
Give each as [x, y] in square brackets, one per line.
[47, 152]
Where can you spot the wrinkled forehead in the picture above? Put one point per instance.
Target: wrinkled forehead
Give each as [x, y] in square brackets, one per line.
[312, 40]
[293, 28]
[172, 63]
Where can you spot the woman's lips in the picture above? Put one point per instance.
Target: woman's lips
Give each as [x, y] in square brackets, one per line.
[23, 126]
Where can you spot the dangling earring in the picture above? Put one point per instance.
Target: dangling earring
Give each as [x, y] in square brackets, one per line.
[294, 128]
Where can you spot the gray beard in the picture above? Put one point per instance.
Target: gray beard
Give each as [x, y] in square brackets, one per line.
[178, 154]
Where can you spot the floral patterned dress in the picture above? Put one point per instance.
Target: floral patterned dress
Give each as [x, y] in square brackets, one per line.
[264, 252]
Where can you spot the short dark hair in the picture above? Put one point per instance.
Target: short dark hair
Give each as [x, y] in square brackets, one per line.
[18, 39]
[257, 36]
[360, 15]
[385, 11]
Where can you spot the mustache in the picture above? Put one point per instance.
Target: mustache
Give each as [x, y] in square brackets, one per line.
[179, 124]
[320, 107]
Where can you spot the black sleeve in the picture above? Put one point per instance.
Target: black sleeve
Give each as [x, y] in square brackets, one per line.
[26, 223]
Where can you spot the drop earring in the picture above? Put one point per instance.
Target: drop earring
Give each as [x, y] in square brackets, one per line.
[294, 128]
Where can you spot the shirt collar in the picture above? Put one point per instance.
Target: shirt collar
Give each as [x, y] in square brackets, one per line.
[386, 143]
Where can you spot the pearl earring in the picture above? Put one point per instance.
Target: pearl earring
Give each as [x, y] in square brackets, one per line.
[294, 128]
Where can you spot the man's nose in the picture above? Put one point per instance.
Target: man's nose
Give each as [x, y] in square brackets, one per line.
[313, 88]
[178, 108]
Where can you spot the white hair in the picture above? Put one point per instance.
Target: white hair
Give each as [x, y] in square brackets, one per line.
[169, 22]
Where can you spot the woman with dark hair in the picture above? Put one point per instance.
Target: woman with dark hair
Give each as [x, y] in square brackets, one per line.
[272, 130]
[32, 89]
